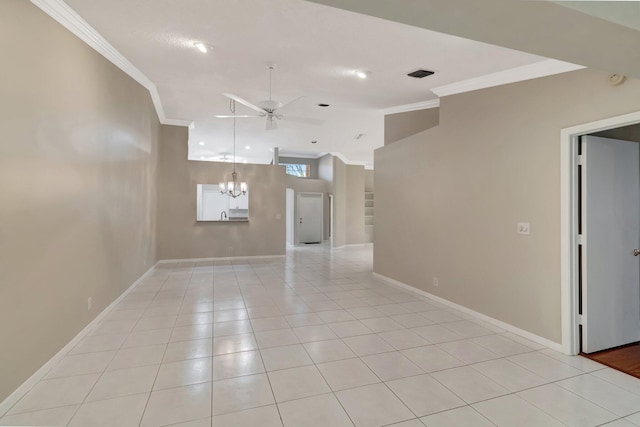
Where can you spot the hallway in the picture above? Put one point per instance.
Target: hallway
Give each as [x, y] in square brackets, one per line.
[312, 339]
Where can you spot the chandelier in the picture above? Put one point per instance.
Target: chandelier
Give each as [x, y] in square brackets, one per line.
[231, 188]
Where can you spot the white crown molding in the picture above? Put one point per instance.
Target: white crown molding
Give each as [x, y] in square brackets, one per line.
[68, 18]
[301, 156]
[341, 156]
[543, 68]
[423, 105]
[347, 161]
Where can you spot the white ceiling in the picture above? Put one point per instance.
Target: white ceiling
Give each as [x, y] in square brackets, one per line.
[316, 49]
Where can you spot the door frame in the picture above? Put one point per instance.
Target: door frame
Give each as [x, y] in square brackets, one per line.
[331, 219]
[290, 216]
[569, 268]
[297, 214]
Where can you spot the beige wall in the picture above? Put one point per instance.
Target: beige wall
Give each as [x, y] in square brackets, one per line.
[325, 172]
[180, 236]
[306, 184]
[368, 180]
[339, 202]
[78, 157]
[402, 125]
[355, 205]
[493, 161]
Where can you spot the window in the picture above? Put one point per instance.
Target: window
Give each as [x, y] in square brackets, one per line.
[299, 170]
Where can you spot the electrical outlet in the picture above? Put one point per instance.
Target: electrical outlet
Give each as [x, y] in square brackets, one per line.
[435, 281]
[89, 303]
[524, 228]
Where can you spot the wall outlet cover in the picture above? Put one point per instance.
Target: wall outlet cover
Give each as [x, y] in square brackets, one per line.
[524, 228]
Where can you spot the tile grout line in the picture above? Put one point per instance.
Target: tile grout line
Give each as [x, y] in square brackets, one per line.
[248, 286]
[144, 411]
[107, 366]
[266, 374]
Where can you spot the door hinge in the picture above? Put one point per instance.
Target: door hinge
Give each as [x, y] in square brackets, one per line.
[580, 159]
[579, 319]
[581, 239]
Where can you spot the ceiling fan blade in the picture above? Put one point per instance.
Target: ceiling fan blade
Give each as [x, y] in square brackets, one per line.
[291, 102]
[236, 116]
[244, 102]
[305, 120]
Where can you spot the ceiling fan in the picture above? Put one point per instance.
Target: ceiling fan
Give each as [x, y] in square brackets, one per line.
[269, 108]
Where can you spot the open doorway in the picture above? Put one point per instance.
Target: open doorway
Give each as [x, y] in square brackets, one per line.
[601, 238]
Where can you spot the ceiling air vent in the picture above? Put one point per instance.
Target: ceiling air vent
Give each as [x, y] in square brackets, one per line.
[419, 74]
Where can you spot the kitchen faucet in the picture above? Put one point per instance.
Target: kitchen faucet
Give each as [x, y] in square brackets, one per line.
[225, 215]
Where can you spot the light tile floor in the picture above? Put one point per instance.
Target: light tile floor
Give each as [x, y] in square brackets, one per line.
[312, 340]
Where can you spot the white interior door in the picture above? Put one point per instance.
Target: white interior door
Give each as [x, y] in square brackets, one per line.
[310, 217]
[611, 230]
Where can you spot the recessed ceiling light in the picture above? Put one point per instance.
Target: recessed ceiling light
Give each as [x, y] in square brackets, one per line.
[362, 74]
[202, 47]
[201, 157]
[323, 105]
[247, 147]
[201, 143]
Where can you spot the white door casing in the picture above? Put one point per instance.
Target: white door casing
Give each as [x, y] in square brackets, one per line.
[290, 216]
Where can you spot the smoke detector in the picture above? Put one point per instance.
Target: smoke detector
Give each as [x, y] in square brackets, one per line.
[616, 79]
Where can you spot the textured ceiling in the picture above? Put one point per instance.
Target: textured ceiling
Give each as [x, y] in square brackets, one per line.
[316, 49]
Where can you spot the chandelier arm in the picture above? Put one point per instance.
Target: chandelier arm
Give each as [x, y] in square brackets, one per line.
[232, 189]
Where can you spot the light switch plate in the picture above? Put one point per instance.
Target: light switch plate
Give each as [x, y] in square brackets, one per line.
[524, 228]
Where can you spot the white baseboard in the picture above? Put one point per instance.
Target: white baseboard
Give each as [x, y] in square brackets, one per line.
[352, 245]
[228, 258]
[499, 323]
[24, 388]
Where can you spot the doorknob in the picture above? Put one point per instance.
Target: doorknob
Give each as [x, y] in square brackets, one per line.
[636, 252]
